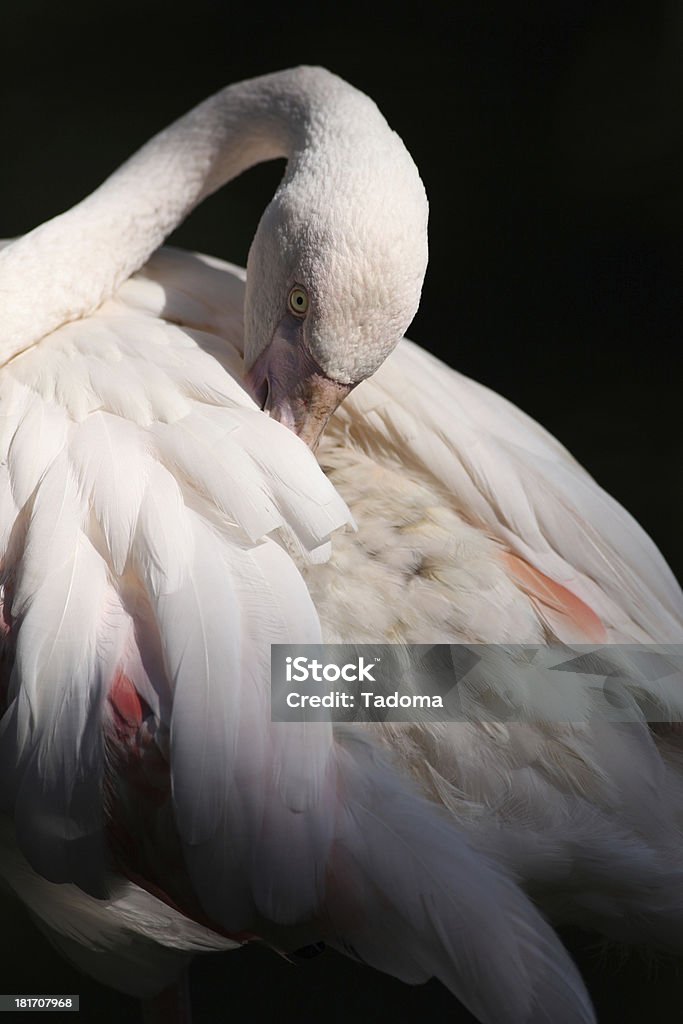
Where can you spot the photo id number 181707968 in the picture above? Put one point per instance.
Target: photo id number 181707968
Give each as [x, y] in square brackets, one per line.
[33, 1003]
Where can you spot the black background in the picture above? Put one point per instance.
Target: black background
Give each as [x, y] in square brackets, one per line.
[550, 139]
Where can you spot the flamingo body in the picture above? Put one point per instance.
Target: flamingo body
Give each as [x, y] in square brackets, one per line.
[158, 532]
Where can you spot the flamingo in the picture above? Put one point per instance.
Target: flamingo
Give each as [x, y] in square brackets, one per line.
[197, 463]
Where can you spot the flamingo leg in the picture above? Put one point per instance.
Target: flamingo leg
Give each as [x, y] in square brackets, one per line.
[171, 1006]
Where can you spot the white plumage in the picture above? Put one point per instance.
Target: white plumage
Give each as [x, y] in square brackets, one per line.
[159, 532]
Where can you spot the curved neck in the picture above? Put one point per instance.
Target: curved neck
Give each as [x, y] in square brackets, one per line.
[67, 267]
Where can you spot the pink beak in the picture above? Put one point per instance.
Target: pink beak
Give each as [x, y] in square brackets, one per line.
[287, 383]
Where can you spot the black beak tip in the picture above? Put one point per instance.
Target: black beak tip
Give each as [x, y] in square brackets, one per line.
[258, 386]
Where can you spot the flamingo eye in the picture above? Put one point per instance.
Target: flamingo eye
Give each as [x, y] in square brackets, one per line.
[298, 301]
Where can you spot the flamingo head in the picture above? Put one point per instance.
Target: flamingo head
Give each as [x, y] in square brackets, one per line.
[334, 275]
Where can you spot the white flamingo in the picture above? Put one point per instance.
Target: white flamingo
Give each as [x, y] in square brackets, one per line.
[158, 533]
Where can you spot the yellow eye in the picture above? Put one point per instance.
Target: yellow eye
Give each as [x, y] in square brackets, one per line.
[298, 301]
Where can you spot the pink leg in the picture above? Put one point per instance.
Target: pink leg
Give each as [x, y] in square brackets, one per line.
[171, 1006]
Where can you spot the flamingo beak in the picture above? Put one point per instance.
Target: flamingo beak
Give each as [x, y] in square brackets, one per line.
[288, 384]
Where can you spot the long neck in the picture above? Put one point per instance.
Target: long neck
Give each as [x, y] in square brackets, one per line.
[68, 266]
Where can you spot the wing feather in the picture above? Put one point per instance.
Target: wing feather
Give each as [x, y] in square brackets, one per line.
[125, 454]
[507, 475]
[50, 744]
[112, 472]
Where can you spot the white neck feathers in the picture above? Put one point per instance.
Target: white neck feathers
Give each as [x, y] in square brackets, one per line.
[67, 267]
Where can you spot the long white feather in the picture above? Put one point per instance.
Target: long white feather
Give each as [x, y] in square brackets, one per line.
[513, 479]
[50, 742]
